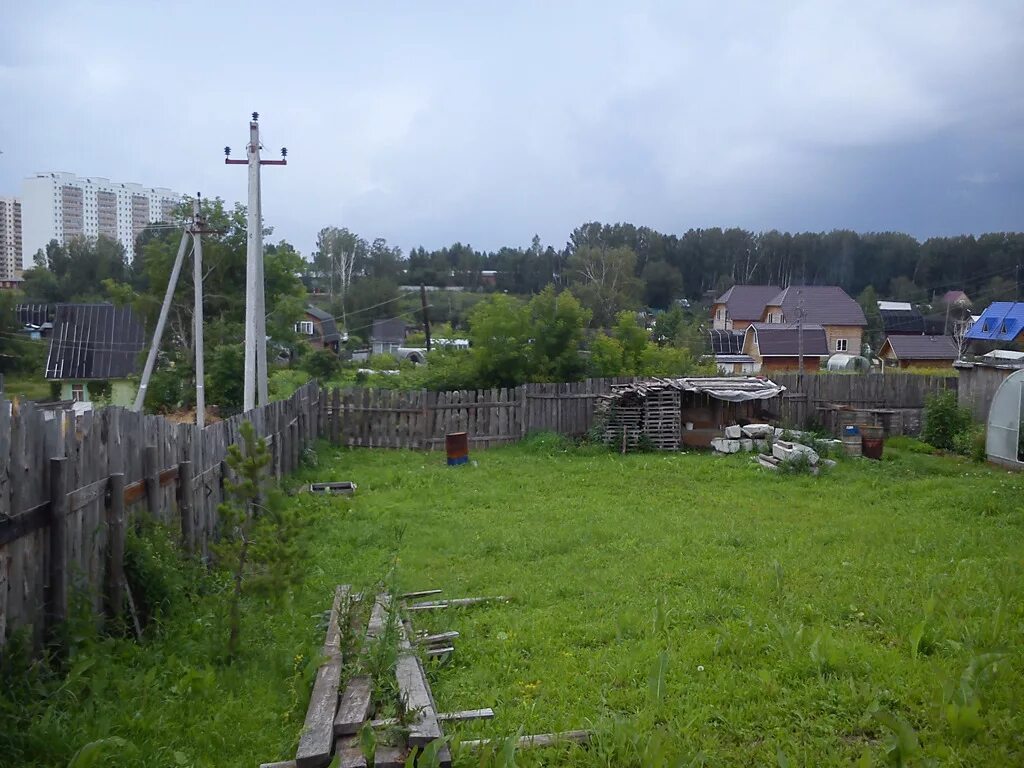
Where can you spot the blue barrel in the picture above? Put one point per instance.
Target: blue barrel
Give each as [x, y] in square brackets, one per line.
[851, 430]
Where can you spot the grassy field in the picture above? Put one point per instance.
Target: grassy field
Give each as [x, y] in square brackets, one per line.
[784, 610]
[691, 609]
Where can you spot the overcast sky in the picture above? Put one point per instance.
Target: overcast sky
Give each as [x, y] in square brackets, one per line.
[485, 122]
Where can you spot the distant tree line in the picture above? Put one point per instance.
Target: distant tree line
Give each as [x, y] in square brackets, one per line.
[613, 267]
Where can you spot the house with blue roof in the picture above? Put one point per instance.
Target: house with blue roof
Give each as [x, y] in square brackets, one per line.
[1002, 321]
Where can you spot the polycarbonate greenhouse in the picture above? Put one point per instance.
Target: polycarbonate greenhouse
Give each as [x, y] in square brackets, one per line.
[1004, 442]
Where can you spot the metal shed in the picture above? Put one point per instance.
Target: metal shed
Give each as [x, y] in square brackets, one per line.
[672, 412]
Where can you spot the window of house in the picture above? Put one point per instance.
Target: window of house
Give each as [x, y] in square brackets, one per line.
[304, 326]
[841, 345]
[78, 392]
[720, 313]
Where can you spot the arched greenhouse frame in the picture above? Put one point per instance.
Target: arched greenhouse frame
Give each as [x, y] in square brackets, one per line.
[1004, 441]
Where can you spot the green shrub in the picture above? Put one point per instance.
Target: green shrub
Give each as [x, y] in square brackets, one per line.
[944, 419]
[971, 442]
[321, 364]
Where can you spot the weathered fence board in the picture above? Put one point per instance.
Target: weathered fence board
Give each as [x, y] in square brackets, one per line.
[114, 466]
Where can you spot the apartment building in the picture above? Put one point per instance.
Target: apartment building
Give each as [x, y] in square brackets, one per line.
[10, 239]
[61, 206]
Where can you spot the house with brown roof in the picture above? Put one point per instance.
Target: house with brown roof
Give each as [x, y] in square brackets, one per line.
[956, 299]
[740, 306]
[918, 351]
[827, 306]
[779, 346]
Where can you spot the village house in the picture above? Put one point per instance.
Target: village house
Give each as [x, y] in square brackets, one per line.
[901, 351]
[388, 335]
[94, 350]
[778, 346]
[740, 306]
[828, 306]
[320, 330]
[1001, 323]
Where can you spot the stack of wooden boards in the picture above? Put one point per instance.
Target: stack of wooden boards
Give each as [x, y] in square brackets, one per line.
[337, 716]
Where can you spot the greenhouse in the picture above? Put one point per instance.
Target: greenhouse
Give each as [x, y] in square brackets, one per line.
[1005, 437]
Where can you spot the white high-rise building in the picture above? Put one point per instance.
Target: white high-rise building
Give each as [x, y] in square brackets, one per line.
[10, 238]
[61, 206]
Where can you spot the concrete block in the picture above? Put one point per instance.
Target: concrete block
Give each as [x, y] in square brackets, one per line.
[758, 430]
[734, 432]
[746, 444]
[761, 445]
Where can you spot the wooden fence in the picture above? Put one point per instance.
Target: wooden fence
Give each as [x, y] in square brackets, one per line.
[903, 394]
[69, 486]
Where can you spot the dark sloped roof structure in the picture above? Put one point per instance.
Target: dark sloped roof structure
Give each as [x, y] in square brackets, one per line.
[330, 328]
[35, 315]
[902, 321]
[747, 302]
[783, 340]
[922, 347]
[726, 342]
[94, 341]
[821, 304]
[389, 331]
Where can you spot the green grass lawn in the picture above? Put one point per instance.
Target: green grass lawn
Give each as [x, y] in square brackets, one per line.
[788, 608]
[784, 610]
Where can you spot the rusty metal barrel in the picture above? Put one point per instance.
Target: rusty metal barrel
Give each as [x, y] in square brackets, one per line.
[456, 444]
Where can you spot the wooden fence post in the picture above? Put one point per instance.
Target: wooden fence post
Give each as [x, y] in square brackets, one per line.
[151, 479]
[185, 506]
[336, 417]
[58, 576]
[115, 545]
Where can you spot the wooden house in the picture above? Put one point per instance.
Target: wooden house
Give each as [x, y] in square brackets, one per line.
[918, 351]
[319, 329]
[94, 351]
[778, 347]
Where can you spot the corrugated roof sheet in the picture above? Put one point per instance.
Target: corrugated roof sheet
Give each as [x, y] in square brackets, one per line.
[747, 302]
[94, 341]
[922, 347]
[1001, 321]
[729, 388]
[783, 340]
[822, 304]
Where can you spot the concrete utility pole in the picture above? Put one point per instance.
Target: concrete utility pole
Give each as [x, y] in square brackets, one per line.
[255, 378]
[426, 317]
[198, 224]
[800, 340]
[158, 332]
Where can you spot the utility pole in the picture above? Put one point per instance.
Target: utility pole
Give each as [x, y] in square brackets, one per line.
[255, 377]
[158, 332]
[198, 228]
[800, 340]
[426, 317]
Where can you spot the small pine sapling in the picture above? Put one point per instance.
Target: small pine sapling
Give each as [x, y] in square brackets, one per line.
[260, 535]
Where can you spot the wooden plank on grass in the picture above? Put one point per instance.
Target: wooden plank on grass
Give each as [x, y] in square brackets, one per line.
[444, 717]
[349, 753]
[415, 694]
[390, 756]
[354, 707]
[420, 593]
[441, 637]
[536, 741]
[316, 744]
[282, 764]
[458, 602]
[442, 651]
